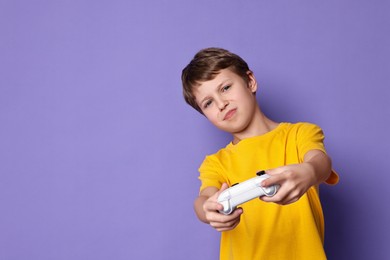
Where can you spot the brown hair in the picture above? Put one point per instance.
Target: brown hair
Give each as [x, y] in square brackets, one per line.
[205, 65]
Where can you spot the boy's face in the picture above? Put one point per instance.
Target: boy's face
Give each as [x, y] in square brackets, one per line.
[228, 101]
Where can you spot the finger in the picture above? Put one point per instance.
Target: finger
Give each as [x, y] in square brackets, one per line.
[276, 177]
[278, 198]
[222, 218]
[273, 180]
[228, 224]
[283, 198]
[211, 206]
[223, 223]
[236, 213]
[275, 171]
[270, 199]
[222, 229]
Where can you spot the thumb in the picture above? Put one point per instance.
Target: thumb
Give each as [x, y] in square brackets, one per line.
[223, 187]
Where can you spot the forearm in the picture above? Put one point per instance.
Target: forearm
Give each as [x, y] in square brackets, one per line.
[198, 207]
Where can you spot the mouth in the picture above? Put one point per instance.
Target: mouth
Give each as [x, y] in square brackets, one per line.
[230, 114]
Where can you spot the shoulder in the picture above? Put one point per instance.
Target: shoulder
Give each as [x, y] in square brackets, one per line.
[305, 128]
[215, 159]
[303, 131]
[304, 125]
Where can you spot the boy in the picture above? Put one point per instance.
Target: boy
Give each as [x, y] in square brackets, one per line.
[289, 225]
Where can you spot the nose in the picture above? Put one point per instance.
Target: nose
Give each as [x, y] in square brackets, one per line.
[222, 104]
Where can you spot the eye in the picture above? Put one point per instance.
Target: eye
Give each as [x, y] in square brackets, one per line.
[207, 103]
[225, 88]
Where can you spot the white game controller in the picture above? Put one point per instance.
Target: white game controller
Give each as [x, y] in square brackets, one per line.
[245, 191]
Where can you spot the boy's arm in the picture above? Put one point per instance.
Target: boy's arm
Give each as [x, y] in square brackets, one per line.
[296, 179]
[207, 209]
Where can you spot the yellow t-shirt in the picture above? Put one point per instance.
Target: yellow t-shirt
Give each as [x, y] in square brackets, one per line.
[268, 230]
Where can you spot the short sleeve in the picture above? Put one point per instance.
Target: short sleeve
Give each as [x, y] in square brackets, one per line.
[311, 137]
[210, 173]
[333, 178]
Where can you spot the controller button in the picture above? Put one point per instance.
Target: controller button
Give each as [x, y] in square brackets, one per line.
[260, 173]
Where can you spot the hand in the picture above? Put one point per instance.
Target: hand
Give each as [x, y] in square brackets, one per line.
[294, 181]
[218, 220]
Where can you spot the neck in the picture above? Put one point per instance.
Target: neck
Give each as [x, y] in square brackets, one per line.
[259, 125]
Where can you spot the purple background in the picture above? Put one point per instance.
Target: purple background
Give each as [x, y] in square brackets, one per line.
[99, 153]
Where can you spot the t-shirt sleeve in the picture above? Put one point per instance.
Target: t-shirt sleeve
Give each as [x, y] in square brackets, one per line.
[210, 173]
[311, 137]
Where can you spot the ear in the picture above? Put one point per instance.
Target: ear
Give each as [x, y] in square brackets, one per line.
[252, 83]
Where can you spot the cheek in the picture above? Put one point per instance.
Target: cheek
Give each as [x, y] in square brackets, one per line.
[249, 99]
[212, 117]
